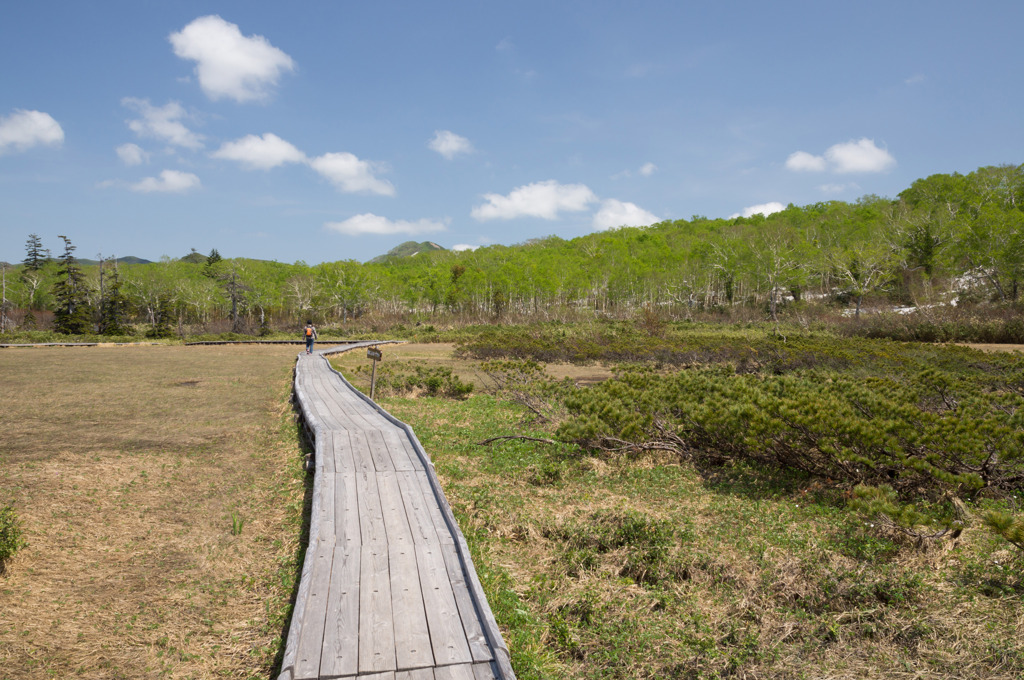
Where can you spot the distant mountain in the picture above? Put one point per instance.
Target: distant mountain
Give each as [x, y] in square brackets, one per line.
[131, 259]
[408, 249]
[194, 258]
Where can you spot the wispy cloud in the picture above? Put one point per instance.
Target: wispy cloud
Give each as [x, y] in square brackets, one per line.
[449, 144]
[169, 181]
[540, 199]
[132, 154]
[24, 129]
[162, 122]
[839, 188]
[229, 64]
[801, 161]
[369, 223]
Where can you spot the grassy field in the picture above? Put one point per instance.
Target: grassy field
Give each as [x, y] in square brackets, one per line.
[160, 490]
[161, 493]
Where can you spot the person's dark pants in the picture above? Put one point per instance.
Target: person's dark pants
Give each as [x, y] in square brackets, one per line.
[309, 345]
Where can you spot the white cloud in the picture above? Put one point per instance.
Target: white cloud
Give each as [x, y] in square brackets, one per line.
[132, 154]
[369, 223]
[765, 209]
[859, 155]
[351, 175]
[260, 153]
[24, 129]
[170, 181]
[460, 247]
[915, 79]
[615, 213]
[449, 144]
[801, 161]
[838, 188]
[540, 199]
[162, 123]
[648, 169]
[229, 64]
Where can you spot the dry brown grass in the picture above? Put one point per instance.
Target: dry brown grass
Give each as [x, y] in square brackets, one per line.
[160, 491]
[440, 355]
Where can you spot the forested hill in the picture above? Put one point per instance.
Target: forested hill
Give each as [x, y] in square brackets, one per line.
[944, 235]
[407, 249]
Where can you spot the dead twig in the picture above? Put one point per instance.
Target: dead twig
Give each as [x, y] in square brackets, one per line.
[488, 442]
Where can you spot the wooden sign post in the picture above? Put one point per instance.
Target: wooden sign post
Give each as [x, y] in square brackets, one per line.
[376, 355]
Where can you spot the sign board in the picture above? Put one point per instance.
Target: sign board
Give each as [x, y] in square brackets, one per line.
[374, 353]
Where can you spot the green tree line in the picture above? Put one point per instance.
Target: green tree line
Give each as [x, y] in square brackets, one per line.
[946, 236]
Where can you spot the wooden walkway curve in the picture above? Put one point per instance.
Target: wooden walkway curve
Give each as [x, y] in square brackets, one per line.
[388, 588]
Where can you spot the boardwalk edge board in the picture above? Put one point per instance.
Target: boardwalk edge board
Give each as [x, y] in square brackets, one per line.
[500, 667]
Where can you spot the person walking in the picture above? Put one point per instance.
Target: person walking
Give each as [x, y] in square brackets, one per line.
[309, 333]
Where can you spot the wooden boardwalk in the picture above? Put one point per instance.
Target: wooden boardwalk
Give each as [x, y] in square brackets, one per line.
[388, 589]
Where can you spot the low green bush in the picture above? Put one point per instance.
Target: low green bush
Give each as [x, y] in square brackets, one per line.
[11, 538]
[401, 378]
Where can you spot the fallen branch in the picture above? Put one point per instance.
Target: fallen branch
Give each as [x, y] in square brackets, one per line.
[488, 442]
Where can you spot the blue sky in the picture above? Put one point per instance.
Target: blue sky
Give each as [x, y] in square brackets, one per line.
[322, 131]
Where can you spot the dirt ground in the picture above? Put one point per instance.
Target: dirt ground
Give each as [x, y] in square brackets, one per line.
[994, 347]
[160, 491]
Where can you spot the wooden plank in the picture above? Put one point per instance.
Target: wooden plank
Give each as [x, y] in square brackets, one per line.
[346, 510]
[371, 516]
[403, 455]
[485, 671]
[340, 655]
[395, 521]
[412, 637]
[325, 452]
[446, 634]
[433, 507]
[470, 618]
[361, 452]
[358, 414]
[307, 662]
[328, 486]
[379, 451]
[416, 674]
[462, 671]
[420, 523]
[343, 461]
[334, 418]
[376, 633]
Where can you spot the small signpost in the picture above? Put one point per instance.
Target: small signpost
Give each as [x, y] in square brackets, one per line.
[375, 354]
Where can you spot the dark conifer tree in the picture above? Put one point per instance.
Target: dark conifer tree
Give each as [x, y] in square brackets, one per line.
[35, 254]
[211, 260]
[71, 315]
[113, 307]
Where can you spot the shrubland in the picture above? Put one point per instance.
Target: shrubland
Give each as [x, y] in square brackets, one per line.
[758, 502]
